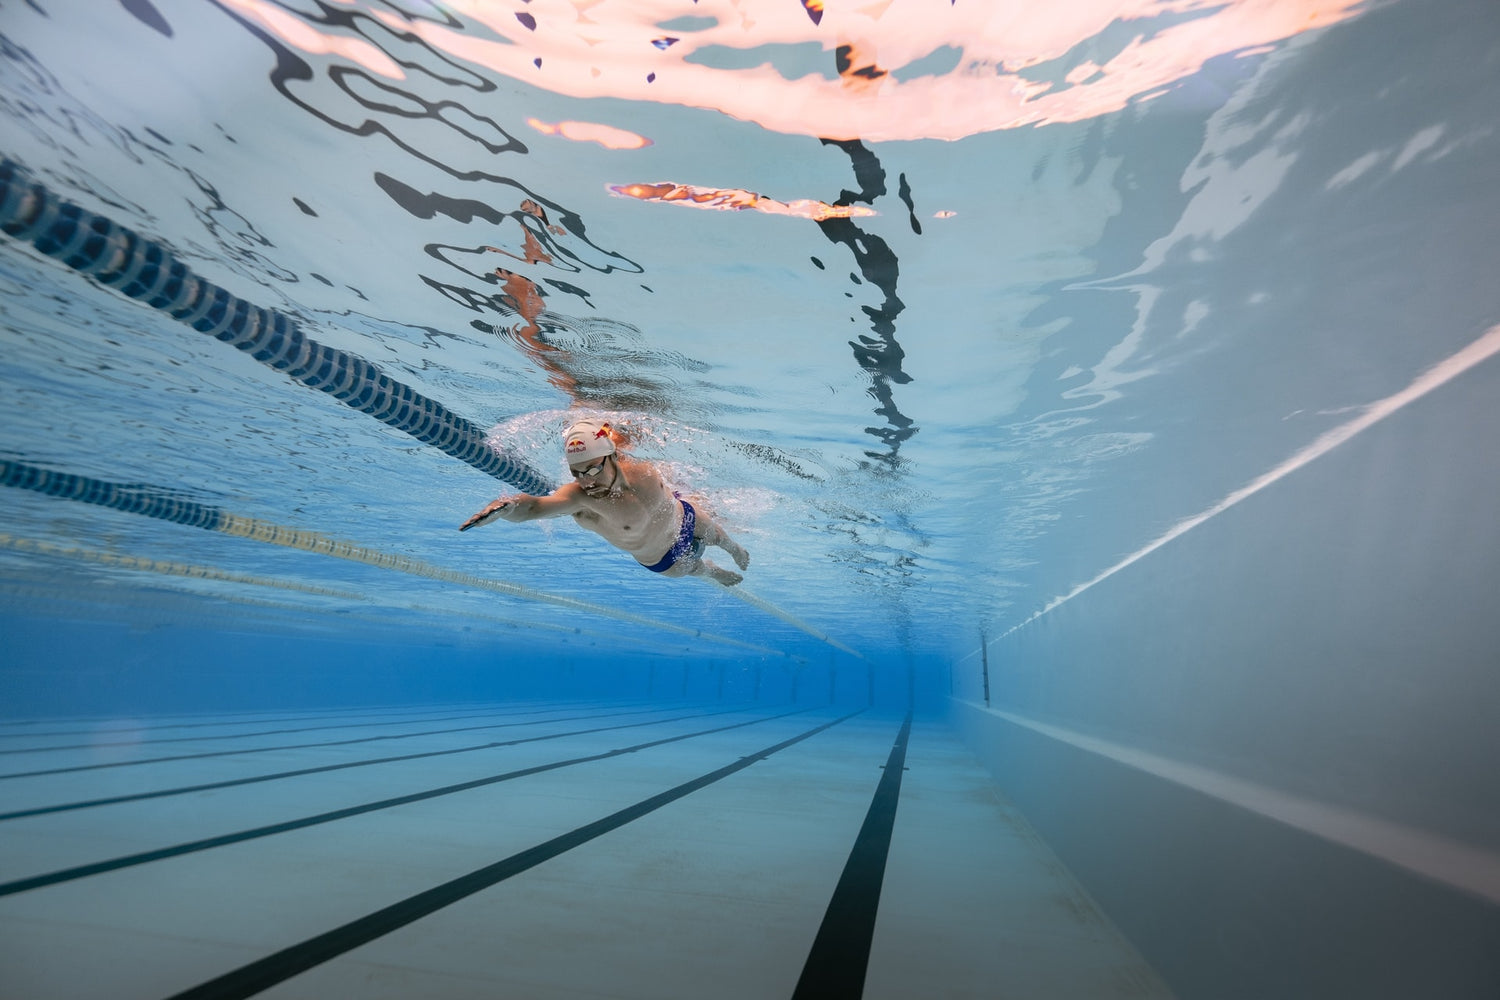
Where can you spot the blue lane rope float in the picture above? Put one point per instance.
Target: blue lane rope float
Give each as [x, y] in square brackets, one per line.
[144, 270]
[117, 496]
[154, 503]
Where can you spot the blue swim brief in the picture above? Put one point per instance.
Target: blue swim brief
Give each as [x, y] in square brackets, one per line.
[685, 541]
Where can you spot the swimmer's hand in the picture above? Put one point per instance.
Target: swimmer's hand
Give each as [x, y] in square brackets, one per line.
[493, 510]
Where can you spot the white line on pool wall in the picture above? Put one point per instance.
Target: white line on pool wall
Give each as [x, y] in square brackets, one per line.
[1485, 347]
[1454, 864]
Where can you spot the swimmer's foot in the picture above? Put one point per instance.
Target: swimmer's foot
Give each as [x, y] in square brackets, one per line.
[723, 577]
[740, 556]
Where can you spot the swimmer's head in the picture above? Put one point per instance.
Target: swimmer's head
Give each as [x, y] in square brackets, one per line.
[587, 439]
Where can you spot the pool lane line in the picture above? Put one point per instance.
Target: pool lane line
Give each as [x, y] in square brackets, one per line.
[835, 968]
[317, 819]
[255, 779]
[282, 965]
[307, 746]
[164, 505]
[263, 732]
[254, 719]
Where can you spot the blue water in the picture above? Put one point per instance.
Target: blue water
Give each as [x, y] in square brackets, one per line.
[1156, 403]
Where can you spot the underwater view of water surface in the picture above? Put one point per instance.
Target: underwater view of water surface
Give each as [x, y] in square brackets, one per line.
[1019, 518]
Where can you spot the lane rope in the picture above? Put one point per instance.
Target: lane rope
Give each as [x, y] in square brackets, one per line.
[143, 269]
[153, 503]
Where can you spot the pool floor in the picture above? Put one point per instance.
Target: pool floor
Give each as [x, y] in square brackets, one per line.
[574, 860]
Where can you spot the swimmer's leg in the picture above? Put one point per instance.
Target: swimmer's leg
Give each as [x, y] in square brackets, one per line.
[708, 531]
[723, 577]
[690, 565]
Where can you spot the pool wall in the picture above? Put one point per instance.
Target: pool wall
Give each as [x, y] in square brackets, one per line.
[1267, 747]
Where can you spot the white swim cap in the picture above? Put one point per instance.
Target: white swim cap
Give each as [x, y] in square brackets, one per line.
[587, 439]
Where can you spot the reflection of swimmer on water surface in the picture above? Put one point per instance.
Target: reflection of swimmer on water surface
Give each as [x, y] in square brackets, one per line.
[523, 292]
[628, 503]
[528, 302]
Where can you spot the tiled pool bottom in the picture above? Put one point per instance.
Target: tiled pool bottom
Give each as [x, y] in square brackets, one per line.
[532, 850]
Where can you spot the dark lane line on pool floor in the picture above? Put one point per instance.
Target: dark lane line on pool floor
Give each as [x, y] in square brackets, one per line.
[254, 779]
[309, 746]
[97, 744]
[835, 968]
[280, 966]
[255, 718]
[286, 826]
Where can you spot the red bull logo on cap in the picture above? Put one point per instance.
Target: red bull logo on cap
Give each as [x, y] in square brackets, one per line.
[588, 439]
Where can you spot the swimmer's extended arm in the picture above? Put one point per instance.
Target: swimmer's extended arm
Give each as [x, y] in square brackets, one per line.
[520, 507]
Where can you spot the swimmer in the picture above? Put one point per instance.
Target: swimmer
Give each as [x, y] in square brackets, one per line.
[629, 504]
